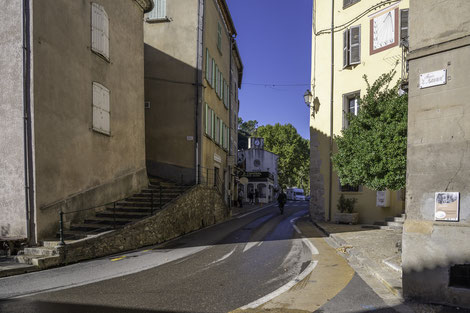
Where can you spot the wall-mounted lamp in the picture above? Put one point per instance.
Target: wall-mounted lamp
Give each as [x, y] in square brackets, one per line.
[308, 97]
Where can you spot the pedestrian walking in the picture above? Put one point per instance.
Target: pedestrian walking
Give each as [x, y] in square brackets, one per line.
[240, 197]
[250, 196]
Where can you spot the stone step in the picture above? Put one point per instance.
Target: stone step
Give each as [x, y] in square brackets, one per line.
[91, 227]
[380, 223]
[128, 215]
[156, 203]
[44, 251]
[148, 199]
[107, 220]
[142, 209]
[395, 224]
[395, 219]
[38, 260]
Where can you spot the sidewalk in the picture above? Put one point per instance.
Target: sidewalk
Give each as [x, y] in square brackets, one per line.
[377, 250]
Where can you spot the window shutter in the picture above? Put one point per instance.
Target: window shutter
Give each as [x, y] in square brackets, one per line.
[101, 109]
[207, 120]
[207, 64]
[355, 45]
[404, 25]
[216, 79]
[224, 93]
[346, 3]
[213, 73]
[219, 36]
[99, 30]
[212, 124]
[158, 11]
[345, 48]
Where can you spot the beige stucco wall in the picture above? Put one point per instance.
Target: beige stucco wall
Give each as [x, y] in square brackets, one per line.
[73, 162]
[12, 167]
[437, 157]
[212, 15]
[346, 81]
[170, 87]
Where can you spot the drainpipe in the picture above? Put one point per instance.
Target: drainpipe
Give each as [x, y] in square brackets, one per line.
[331, 107]
[230, 124]
[199, 53]
[28, 154]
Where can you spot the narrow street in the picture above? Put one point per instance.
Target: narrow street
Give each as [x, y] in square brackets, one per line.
[255, 260]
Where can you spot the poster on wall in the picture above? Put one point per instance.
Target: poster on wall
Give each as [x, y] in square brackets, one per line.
[446, 206]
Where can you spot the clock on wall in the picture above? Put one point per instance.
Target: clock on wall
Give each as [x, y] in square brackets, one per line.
[257, 142]
[384, 30]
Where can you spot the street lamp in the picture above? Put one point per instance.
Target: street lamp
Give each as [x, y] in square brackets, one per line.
[308, 97]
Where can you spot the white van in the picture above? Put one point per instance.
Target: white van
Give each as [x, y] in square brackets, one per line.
[295, 194]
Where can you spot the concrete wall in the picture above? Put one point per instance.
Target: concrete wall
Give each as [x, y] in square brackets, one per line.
[76, 167]
[438, 141]
[347, 80]
[200, 207]
[12, 177]
[170, 87]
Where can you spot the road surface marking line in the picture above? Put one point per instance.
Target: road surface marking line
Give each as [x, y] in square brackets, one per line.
[250, 245]
[119, 258]
[305, 240]
[265, 207]
[225, 256]
[282, 289]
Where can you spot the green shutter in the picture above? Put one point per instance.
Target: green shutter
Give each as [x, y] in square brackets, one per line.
[213, 74]
[207, 64]
[207, 120]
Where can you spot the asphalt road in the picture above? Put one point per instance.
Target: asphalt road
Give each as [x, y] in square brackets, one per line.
[215, 270]
[218, 269]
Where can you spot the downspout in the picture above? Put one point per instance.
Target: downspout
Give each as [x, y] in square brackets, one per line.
[28, 154]
[199, 57]
[230, 124]
[331, 107]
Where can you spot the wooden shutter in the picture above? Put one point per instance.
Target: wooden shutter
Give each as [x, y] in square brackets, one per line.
[404, 25]
[355, 45]
[101, 109]
[345, 48]
[207, 120]
[105, 34]
[99, 30]
[219, 36]
[158, 11]
[212, 124]
[208, 58]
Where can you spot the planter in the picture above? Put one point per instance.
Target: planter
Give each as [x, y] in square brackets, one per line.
[346, 218]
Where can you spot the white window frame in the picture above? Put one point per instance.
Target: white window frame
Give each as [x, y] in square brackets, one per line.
[346, 107]
[101, 122]
[99, 30]
[348, 46]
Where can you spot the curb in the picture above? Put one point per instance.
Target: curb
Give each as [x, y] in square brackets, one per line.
[356, 255]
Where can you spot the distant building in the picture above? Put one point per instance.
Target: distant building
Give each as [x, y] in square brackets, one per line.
[436, 233]
[260, 168]
[193, 71]
[71, 109]
[369, 39]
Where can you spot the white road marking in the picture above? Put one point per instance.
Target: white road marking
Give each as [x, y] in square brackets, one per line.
[225, 256]
[291, 283]
[281, 290]
[250, 245]
[265, 207]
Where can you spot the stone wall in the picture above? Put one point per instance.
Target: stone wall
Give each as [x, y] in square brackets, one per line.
[198, 208]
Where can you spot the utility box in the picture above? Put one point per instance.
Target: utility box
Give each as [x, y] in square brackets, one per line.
[383, 199]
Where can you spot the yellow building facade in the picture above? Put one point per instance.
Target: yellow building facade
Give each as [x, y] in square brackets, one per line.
[350, 39]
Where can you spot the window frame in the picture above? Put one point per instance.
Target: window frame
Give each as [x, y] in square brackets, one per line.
[348, 46]
[219, 37]
[162, 17]
[346, 108]
[99, 31]
[404, 41]
[98, 109]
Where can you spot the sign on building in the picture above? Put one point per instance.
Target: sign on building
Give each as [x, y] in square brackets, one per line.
[432, 79]
[446, 206]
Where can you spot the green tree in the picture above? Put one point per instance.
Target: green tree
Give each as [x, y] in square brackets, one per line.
[248, 127]
[293, 151]
[372, 150]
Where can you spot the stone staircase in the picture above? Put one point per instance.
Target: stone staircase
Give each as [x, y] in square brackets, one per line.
[128, 210]
[395, 222]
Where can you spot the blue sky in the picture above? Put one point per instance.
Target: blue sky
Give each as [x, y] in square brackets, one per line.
[274, 38]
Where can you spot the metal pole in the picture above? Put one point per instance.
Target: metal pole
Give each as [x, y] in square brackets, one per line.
[61, 229]
[151, 202]
[330, 187]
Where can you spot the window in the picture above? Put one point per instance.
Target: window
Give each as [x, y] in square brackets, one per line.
[225, 94]
[352, 46]
[216, 80]
[158, 12]
[99, 30]
[351, 103]
[208, 66]
[219, 37]
[101, 109]
[217, 130]
[212, 124]
[207, 118]
[347, 3]
[404, 27]
[349, 188]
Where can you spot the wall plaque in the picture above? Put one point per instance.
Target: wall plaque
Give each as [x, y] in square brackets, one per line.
[432, 79]
[446, 206]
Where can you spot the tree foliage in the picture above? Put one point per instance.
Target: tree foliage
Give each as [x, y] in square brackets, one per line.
[372, 150]
[248, 127]
[293, 152]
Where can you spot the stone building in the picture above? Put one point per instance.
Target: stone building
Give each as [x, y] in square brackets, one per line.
[367, 40]
[71, 109]
[193, 71]
[436, 245]
[260, 169]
